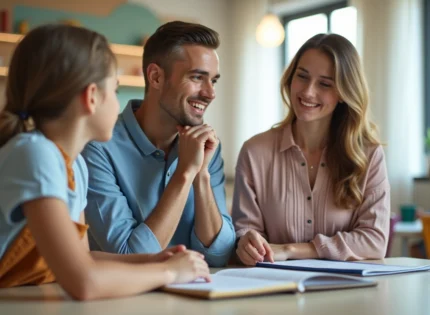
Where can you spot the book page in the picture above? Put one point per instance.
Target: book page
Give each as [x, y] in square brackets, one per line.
[305, 280]
[224, 283]
[267, 274]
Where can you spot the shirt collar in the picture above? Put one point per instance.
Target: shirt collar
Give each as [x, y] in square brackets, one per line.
[286, 139]
[134, 129]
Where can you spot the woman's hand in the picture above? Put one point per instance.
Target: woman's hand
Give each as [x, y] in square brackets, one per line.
[167, 253]
[187, 266]
[253, 248]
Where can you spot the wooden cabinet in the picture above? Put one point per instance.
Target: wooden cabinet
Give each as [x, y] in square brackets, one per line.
[129, 62]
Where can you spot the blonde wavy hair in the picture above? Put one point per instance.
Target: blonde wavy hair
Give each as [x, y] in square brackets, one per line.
[350, 129]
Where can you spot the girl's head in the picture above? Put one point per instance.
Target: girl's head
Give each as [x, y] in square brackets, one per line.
[325, 82]
[58, 71]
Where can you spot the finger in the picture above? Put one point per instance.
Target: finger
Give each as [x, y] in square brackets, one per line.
[245, 258]
[252, 251]
[257, 242]
[269, 252]
[201, 131]
[177, 248]
[196, 254]
[187, 130]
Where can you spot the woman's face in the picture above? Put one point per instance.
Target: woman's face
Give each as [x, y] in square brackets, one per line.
[313, 89]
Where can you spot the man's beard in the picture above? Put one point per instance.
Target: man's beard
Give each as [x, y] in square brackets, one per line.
[180, 116]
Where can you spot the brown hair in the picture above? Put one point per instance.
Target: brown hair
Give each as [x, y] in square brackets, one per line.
[163, 46]
[350, 129]
[49, 67]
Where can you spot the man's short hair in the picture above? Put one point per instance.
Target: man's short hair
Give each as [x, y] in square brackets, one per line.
[167, 41]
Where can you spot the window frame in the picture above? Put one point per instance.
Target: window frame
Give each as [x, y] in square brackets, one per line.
[324, 9]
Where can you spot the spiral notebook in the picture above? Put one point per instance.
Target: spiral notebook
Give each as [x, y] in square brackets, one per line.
[239, 282]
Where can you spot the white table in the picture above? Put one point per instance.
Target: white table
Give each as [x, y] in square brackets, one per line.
[394, 295]
[408, 230]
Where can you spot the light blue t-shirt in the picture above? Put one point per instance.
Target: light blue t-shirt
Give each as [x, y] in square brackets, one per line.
[31, 167]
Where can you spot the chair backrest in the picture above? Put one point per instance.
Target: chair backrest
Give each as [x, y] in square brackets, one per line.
[426, 233]
[393, 220]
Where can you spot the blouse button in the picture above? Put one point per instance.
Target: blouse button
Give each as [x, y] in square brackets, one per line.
[309, 198]
[303, 163]
[309, 221]
[322, 164]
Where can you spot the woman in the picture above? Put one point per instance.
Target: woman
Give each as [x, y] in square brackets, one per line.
[315, 186]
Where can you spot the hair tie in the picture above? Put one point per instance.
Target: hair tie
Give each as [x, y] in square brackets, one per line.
[23, 115]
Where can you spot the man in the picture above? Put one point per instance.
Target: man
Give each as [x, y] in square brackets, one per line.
[160, 180]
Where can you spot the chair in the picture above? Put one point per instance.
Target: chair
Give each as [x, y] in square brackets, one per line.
[393, 220]
[426, 233]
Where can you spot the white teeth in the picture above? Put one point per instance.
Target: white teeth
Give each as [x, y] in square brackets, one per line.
[197, 105]
[308, 104]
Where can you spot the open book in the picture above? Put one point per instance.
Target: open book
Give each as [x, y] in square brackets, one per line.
[347, 267]
[238, 282]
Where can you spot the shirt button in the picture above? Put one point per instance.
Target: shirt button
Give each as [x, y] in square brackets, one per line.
[309, 198]
[168, 173]
[157, 153]
[309, 221]
[322, 164]
[303, 163]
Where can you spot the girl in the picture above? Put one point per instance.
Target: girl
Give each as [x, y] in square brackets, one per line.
[60, 95]
[315, 186]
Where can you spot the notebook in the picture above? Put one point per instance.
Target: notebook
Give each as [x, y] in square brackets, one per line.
[347, 267]
[238, 282]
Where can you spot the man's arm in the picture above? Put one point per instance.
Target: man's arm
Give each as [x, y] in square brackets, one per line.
[213, 233]
[112, 223]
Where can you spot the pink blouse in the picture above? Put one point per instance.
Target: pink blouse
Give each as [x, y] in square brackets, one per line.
[272, 196]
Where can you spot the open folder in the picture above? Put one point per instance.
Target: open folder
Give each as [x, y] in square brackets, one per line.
[346, 267]
[239, 282]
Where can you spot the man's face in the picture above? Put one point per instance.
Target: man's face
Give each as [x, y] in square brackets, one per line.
[189, 89]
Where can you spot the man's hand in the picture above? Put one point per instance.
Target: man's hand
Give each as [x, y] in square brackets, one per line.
[196, 147]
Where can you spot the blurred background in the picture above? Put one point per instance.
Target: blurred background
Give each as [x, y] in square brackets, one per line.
[258, 39]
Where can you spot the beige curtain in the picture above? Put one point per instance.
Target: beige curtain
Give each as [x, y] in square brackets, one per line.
[390, 42]
[255, 75]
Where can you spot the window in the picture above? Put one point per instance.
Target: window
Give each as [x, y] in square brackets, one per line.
[337, 18]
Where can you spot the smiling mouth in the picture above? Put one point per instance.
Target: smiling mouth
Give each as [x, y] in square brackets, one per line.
[308, 104]
[197, 107]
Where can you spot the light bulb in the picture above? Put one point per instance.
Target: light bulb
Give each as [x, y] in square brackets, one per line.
[270, 32]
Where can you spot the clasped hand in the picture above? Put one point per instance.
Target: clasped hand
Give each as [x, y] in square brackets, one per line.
[197, 146]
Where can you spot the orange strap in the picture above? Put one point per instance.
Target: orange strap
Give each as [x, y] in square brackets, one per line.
[22, 263]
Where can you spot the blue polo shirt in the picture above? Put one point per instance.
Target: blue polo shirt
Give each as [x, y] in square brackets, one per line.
[127, 177]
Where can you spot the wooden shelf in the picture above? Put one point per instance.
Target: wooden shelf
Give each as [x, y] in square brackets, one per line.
[3, 71]
[118, 49]
[124, 80]
[127, 50]
[10, 38]
[131, 80]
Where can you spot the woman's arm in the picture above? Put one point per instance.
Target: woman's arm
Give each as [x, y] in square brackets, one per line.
[86, 278]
